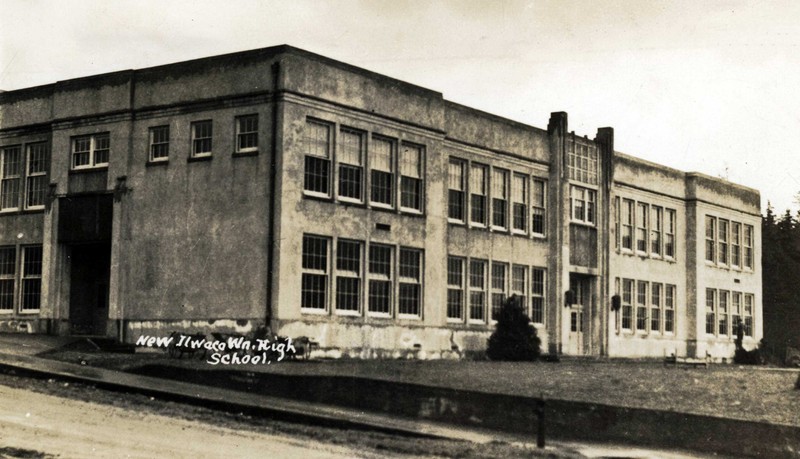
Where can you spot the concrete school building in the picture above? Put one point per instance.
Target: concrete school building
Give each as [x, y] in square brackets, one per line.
[279, 187]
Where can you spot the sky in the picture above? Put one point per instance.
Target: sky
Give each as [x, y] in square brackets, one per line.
[712, 87]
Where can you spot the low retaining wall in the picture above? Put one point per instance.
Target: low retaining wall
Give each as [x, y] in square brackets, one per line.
[565, 420]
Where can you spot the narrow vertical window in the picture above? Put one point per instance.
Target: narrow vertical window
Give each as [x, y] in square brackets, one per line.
[669, 233]
[10, 178]
[641, 227]
[499, 199]
[711, 303]
[656, 216]
[655, 307]
[477, 189]
[538, 200]
[159, 143]
[348, 276]
[246, 133]
[627, 224]
[499, 272]
[380, 280]
[711, 242]
[748, 315]
[351, 170]
[641, 306]
[314, 289]
[317, 145]
[723, 242]
[31, 278]
[455, 288]
[669, 309]
[456, 191]
[519, 276]
[537, 295]
[722, 313]
[82, 152]
[477, 290]
[736, 311]
[36, 182]
[381, 175]
[202, 132]
[736, 244]
[627, 304]
[8, 268]
[582, 163]
[411, 189]
[519, 203]
[748, 246]
[410, 273]
[583, 205]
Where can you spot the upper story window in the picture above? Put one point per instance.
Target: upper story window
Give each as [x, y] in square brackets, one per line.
[736, 244]
[36, 183]
[411, 160]
[669, 233]
[539, 200]
[582, 163]
[351, 169]
[10, 177]
[627, 224]
[159, 143]
[748, 246]
[711, 238]
[582, 205]
[90, 151]
[723, 241]
[202, 133]
[499, 199]
[519, 203]
[317, 145]
[246, 133]
[381, 162]
[477, 190]
[456, 191]
[656, 229]
[641, 227]
[729, 244]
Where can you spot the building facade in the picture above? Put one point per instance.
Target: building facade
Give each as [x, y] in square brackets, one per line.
[278, 187]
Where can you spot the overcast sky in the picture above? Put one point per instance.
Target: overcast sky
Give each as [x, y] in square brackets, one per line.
[712, 87]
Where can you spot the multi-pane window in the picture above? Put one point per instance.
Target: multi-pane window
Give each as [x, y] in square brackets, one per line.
[748, 246]
[10, 177]
[381, 171]
[519, 203]
[537, 295]
[477, 290]
[8, 269]
[477, 189]
[31, 278]
[499, 271]
[348, 275]
[411, 160]
[641, 227]
[748, 315]
[317, 145]
[723, 241]
[641, 306]
[351, 170]
[159, 143]
[456, 190]
[246, 133]
[90, 151]
[410, 274]
[380, 280]
[314, 289]
[736, 244]
[519, 275]
[202, 136]
[655, 307]
[669, 233]
[736, 311]
[582, 163]
[711, 302]
[499, 198]
[627, 224]
[711, 241]
[582, 204]
[455, 288]
[669, 308]
[36, 182]
[722, 312]
[656, 216]
[538, 196]
[627, 304]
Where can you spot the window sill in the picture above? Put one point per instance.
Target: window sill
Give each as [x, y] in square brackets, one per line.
[244, 154]
[31, 312]
[317, 196]
[315, 312]
[379, 315]
[197, 159]
[162, 162]
[88, 170]
[453, 221]
[346, 313]
[583, 223]
[409, 317]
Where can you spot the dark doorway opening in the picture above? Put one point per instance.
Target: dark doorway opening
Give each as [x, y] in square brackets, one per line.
[90, 268]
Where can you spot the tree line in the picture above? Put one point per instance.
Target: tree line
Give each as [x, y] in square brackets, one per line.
[780, 260]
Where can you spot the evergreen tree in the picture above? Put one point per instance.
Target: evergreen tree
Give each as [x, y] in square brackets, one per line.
[514, 339]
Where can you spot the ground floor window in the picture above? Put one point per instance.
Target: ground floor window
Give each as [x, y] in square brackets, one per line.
[455, 288]
[8, 271]
[315, 273]
[537, 295]
[477, 290]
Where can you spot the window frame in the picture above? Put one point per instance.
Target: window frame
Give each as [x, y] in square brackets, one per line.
[151, 132]
[710, 250]
[499, 185]
[748, 258]
[9, 277]
[588, 216]
[410, 281]
[194, 126]
[656, 240]
[723, 254]
[499, 274]
[404, 178]
[627, 308]
[326, 274]
[93, 139]
[240, 133]
[540, 295]
[642, 218]
[519, 201]
[309, 153]
[348, 274]
[360, 167]
[670, 230]
[385, 279]
[539, 209]
[391, 173]
[481, 290]
[629, 216]
[459, 287]
[459, 194]
[670, 313]
[711, 312]
[26, 277]
[15, 178]
[482, 195]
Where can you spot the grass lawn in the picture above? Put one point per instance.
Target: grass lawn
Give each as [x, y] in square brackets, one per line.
[749, 393]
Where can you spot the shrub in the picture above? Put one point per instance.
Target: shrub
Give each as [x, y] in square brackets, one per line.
[745, 357]
[514, 339]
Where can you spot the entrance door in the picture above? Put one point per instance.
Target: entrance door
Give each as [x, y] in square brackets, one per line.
[580, 286]
[90, 266]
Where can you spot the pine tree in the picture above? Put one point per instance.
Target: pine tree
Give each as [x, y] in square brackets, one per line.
[514, 339]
